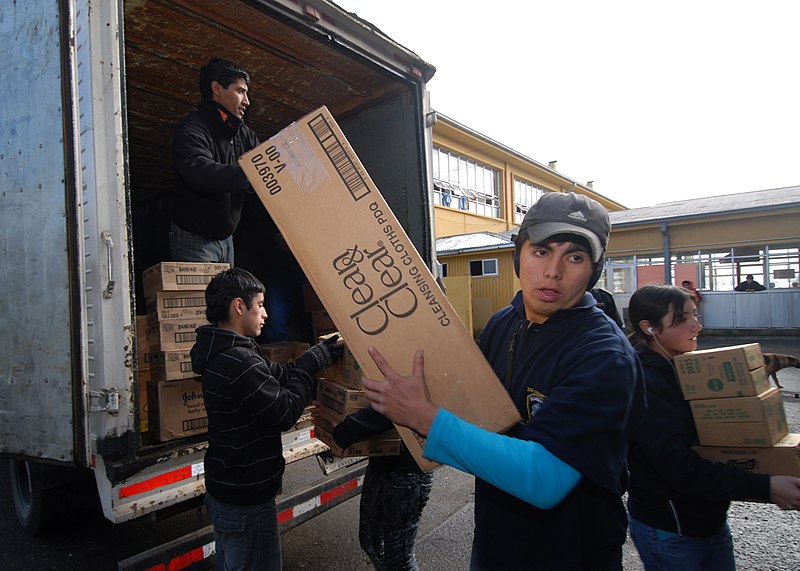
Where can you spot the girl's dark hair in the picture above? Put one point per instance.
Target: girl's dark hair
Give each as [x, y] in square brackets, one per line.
[227, 286]
[653, 302]
[223, 72]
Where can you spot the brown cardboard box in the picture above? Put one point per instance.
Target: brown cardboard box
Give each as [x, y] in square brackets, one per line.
[171, 335]
[347, 371]
[171, 365]
[764, 433]
[177, 409]
[179, 276]
[736, 371]
[379, 445]
[176, 305]
[337, 409]
[781, 459]
[283, 352]
[367, 273]
[142, 346]
[347, 397]
[765, 407]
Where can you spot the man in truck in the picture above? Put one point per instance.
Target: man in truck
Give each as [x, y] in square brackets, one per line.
[547, 494]
[210, 186]
[249, 402]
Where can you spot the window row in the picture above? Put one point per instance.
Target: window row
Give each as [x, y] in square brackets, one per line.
[463, 183]
[774, 267]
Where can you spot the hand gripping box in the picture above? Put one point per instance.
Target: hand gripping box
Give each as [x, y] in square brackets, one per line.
[736, 371]
[367, 273]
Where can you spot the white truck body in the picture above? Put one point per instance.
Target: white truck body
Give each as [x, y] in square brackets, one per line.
[92, 91]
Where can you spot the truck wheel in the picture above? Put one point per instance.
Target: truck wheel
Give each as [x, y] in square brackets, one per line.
[35, 506]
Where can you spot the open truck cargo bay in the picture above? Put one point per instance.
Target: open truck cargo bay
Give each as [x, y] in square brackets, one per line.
[86, 175]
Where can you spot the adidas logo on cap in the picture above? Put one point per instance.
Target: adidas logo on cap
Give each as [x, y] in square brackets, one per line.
[577, 215]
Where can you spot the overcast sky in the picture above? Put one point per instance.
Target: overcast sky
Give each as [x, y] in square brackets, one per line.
[653, 101]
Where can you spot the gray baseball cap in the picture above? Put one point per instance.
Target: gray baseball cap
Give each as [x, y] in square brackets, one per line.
[567, 213]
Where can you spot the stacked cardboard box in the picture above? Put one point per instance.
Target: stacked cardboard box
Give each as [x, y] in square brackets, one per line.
[283, 352]
[735, 410]
[341, 394]
[175, 302]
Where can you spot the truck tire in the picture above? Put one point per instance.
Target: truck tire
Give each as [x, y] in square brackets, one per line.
[35, 507]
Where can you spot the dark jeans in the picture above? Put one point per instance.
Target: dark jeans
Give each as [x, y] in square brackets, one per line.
[245, 537]
[189, 247]
[391, 508]
[667, 551]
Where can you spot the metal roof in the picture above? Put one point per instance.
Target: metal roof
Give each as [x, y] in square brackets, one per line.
[474, 242]
[712, 205]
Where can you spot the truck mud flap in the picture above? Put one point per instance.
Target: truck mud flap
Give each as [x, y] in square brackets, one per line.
[194, 548]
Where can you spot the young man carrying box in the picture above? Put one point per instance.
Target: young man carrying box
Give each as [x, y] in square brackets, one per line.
[548, 494]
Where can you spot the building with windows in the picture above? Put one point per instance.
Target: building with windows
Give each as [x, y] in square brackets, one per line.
[482, 189]
[715, 242]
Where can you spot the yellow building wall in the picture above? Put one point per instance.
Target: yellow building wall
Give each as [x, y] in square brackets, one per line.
[459, 294]
[489, 293]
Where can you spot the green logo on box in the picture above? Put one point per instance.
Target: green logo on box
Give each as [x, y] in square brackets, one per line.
[715, 385]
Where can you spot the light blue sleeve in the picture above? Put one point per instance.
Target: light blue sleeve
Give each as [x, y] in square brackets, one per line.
[523, 468]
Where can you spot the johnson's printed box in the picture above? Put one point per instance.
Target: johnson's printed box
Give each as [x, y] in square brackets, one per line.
[783, 458]
[373, 283]
[176, 409]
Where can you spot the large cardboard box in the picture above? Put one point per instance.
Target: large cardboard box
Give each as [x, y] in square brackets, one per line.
[766, 407]
[179, 276]
[781, 459]
[367, 273]
[283, 352]
[176, 305]
[176, 409]
[736, 371]
[171, 365]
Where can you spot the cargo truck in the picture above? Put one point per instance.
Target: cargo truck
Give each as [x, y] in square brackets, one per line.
[92, 92]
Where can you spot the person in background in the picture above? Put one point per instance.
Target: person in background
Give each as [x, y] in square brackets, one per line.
[262, 250]
[209, 184]
[548, 493]
[394, 493]
[689, 286]
[677, 501]
[605, 302]
[749, 284]
[249, 402]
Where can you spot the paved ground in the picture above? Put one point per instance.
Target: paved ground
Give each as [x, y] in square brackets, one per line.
[766, 537]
